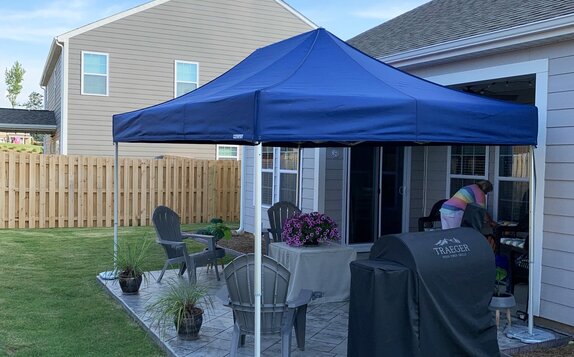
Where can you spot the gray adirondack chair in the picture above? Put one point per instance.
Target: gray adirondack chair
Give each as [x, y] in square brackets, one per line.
[167, 227]
[278, 316]
[278, 214]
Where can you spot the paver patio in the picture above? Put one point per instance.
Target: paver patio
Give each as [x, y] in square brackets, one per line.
[326, 325]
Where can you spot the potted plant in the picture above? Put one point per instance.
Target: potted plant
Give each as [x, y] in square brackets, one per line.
[216, 228]
[183, 304]
[501, 300]
[309, 229]
[131, 260]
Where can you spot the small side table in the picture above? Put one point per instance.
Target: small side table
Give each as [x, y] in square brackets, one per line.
[503, 302]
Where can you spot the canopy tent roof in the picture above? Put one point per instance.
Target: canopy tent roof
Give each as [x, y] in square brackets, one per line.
[316, 90]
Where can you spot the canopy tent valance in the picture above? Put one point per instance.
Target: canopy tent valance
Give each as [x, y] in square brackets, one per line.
[316, 90]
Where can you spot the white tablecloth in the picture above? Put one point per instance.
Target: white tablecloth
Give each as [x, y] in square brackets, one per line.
[324, 268]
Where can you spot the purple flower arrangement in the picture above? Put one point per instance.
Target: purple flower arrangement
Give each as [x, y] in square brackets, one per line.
[309, 229]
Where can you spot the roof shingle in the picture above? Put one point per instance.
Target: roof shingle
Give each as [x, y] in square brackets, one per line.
[440, 21]
[24, 118]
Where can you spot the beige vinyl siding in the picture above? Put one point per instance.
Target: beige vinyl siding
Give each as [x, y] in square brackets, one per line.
[143, 48]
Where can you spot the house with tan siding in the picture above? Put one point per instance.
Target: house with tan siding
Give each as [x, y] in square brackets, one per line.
[150, 54]
[517, 50]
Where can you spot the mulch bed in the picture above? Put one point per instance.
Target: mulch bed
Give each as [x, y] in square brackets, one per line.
[242, 243]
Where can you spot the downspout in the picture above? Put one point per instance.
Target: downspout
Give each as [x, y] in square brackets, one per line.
[531, 210]
[241, 228]
[64, 100]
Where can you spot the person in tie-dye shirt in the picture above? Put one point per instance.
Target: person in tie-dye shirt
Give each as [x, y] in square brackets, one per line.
[452, 210]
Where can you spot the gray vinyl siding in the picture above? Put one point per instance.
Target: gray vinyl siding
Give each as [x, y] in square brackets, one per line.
[249, 205]
[307, 190]
[557, 293]
[53, 99]
[557, 290]
[436, 176]
[142, 50]
[334, 189]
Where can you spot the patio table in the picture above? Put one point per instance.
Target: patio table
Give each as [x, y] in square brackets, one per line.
[324, 269]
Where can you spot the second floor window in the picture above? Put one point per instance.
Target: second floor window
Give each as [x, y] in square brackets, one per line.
[94, 73]
[186, 77]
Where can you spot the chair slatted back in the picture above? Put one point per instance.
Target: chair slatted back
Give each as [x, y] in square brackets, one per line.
[434, 216]
[278, 214]
[167, 227]
[240, 285]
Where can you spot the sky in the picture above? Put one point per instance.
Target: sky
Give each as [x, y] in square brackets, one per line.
[28, 26]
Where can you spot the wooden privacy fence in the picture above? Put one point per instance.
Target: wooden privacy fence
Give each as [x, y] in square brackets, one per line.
[41, 191]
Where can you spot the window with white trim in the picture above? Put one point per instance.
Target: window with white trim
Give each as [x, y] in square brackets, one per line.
[227, 152]
[279, 176]
[512, 174]
[186, 77]
[95, 73]
[468, 164]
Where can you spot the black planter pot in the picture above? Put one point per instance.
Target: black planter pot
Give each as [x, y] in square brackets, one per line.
[130, 285]
[189, 327]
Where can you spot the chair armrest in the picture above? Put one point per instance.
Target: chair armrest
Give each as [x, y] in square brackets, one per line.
[303, 299]
[171, 243]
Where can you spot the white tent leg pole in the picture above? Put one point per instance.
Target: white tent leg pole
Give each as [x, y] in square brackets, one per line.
[425, 179]
[116, 200]
[111, 275]
[241, 228]
[257, 272]
[531, 208]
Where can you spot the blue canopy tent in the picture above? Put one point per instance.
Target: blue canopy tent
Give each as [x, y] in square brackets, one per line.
[314, 90]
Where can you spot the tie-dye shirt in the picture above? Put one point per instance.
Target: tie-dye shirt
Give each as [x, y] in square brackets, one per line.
[464, 196]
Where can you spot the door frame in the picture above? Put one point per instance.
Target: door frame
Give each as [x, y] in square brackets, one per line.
[365, 247]
[539, 68]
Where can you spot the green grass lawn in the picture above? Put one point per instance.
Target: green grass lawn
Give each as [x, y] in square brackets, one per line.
[50, 301]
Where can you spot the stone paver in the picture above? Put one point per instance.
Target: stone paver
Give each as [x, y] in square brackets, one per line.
[326, 333]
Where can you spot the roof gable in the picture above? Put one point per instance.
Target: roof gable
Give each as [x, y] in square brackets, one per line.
[55, 49]
[441, 21]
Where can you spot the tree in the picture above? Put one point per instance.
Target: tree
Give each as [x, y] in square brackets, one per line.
[13, 78]
[35, 101]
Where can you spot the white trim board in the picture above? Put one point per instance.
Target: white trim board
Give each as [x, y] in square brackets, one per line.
[540, 69]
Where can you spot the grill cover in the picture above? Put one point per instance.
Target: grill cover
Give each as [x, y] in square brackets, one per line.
[424, 294]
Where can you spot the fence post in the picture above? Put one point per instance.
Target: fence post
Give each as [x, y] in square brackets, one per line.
[212, 190]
